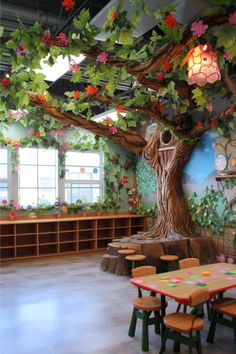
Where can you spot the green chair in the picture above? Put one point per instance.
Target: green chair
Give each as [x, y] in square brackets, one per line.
[144, 307]
[185, 327]
[221, 308]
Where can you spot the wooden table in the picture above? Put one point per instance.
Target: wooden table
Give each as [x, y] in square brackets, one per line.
[180, 284]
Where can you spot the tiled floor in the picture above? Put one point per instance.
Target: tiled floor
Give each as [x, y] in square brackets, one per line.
[67, 305]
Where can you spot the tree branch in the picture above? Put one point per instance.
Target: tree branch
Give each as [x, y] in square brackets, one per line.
[131, 141]
[229, 82]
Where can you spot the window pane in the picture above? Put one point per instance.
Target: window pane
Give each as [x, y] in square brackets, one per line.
[47, 196]
[47, 176]
[28, 196]
[3, 171]
[88, 173]
[28, 176]
[88, 192]
[3, 191]
[47, 157]
[3, 155]
[28, 156]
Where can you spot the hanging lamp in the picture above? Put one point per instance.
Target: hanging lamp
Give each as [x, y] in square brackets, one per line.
[203, 67]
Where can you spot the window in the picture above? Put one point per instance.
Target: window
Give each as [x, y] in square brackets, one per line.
[83, 178]
[37, 181]
[4, 178]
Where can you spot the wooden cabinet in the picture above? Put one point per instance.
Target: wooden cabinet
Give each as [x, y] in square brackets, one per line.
[22, 239]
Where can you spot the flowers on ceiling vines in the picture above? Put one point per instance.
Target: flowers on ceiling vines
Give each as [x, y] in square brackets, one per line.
[76, 94]
[113, 129]
[170, 21]
[232, 18]
[120, 109]
[102, 57]
[21, 50]
[68, 4]
[5, 82]
[74, 67]
[91, 90]
[198, 28]
[160, 76]
[167, 66]
[60, 40]
[18, 114]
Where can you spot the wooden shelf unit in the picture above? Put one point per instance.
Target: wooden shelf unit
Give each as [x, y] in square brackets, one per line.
[31, 238]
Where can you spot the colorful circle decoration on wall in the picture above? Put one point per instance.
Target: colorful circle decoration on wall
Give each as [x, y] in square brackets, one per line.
[95, 170]
[82, 170]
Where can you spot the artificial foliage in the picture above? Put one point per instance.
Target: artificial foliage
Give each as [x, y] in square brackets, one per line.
[161, 93]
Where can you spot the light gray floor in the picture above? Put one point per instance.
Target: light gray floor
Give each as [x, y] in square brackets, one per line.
[67, 305]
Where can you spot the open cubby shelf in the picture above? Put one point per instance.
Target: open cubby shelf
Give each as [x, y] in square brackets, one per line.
[34, 238]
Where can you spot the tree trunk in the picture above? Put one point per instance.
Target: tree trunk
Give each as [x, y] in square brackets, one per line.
[168, 160]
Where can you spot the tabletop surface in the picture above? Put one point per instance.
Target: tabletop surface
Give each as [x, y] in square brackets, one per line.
[180, 284]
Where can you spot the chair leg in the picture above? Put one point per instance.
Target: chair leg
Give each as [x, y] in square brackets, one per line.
[211, 333]
[133, 322]
[234, 329]
[190, 344]
[145, 340]
[199, 343]
[163, 344]
[157, 322]
[209, 312]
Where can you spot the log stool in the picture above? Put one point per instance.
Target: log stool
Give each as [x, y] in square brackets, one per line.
[167, 259]
[122, 264]
[136, 260]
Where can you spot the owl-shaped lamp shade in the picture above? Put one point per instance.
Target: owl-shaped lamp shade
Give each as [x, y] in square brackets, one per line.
[203, 67]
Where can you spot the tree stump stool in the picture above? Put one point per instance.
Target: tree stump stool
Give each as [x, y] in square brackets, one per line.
[136, 260]
[167, 259]
[122, 267]
[109, 262]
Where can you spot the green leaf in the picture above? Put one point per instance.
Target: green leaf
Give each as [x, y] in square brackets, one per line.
[80, 21]
[23, 98]
[1, 31]
[126, 37]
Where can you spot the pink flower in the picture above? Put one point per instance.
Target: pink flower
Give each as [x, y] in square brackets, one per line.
[113, 129]
[74, 67]
[232, 18]
[228, 56]
[209, 107]
[198, 28]
[46, 38]
[21, 49]
[61, 132]
[53, 133]
[4, 201]
[63, 147]
[31, 131]
[160, 76]
[16, 169]
[62, 39]
[102, 57]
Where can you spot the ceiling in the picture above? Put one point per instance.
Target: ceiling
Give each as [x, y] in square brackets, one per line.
[54, 17]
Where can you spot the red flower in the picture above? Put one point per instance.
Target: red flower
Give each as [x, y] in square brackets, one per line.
[68, 4]
[13, 213]
[62, 39]
[76, 95]
[5, 82]
[232, 108]
[120, 109]
[46, 38]
[113, 129]
[199, 124]
[91, 90]
[114, 15]
[159, 107]
[37, 134]
[4, 201]
[170, 21]
[167, 66]
[160, 76]
[109, 121]
[214, 123]
[41, 98]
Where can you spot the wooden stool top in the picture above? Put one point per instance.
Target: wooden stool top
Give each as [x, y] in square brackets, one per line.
[136, 257]
[169, 257]
[126, 252]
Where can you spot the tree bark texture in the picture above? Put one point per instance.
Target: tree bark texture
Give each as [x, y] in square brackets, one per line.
[168, 160]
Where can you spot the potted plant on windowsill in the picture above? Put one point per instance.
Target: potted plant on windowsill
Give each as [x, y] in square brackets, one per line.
[60, 207]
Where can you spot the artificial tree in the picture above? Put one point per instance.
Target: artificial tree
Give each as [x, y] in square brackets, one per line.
[183, 107]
